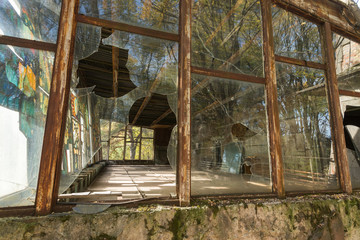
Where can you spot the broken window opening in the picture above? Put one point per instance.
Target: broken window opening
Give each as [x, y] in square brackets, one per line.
[131, 127]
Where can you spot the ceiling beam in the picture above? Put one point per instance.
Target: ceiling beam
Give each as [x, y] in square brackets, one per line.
[164, 115]
[115, 70]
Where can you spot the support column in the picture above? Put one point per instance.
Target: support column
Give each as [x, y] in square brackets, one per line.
[183, 181]
[51, 156]
[277, 172]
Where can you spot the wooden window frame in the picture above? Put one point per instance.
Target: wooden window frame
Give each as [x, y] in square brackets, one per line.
[124, 144]
[49, 174]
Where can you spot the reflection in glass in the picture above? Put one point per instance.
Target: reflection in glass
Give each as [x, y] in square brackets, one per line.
[229, 138]
[152, 62]
[34, 20]
[25, 76]
[347, 61]
[105, 150]
[295, 37]
[227, 36]
[82, 136]
[155, 14]
[350, 108]
[308, 154]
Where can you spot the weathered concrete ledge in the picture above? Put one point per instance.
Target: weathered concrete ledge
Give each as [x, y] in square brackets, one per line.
[324, 217]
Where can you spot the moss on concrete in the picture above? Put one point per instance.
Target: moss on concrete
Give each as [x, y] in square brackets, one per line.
[296, 218]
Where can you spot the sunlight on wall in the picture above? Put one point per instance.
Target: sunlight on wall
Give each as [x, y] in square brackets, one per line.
[13, 144]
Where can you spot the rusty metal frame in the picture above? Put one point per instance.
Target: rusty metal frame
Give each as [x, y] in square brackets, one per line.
[50, 164]
[349, 93]
[183, 171]
[228, 75]
[299, 62]
[26, 43]
[128, 28]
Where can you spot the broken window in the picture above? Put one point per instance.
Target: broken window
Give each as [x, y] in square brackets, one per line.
[350, 108]
[154, 14]
[34, 20]
[25, 76]
[124, 116]
[308, 153]
[295, 37]
[347, 63]
[227, 36]
[229, 138]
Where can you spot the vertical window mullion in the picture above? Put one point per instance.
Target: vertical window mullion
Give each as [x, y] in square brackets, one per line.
[271, 101]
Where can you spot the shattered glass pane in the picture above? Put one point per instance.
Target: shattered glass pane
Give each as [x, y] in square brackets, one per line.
[25, 77]
[154, 14]
[34, 20]
[347, 62]
[229, 138]
[90, 208]
[104, 129]
[227, 36]
[172, 148]
[87, 40]
[82, 136]
[350, 108]
[105, 150]
[117, 129]
[152, 62]
[296, 37]
[307, 148]
[152, 65]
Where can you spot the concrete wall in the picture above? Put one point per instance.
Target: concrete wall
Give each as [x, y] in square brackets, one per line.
[337, 217]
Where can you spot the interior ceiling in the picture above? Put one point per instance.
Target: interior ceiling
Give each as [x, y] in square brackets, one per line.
[97, 70]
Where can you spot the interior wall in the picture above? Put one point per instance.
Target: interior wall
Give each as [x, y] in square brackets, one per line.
[13, 149]
[161, 142]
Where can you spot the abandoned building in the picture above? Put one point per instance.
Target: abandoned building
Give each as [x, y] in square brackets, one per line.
[160, 119]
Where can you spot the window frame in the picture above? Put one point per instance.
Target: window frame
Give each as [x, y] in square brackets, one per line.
[51, 157]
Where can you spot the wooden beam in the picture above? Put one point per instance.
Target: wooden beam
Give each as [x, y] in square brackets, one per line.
[232, 59]
[228, 75]
[164, 115]
[271, 101]
[25, 43]
[299, 62]
[17, 211]
[51, 156]
[141, 109]
[218, 103]
[151, 90]
[337, 126]
[128, 28]
[320, 11]
[349, 93]
[183, 181]
[115, 61]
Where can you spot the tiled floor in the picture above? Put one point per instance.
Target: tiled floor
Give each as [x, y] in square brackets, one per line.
[136, 182]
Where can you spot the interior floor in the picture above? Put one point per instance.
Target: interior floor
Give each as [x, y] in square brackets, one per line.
[136, 182]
